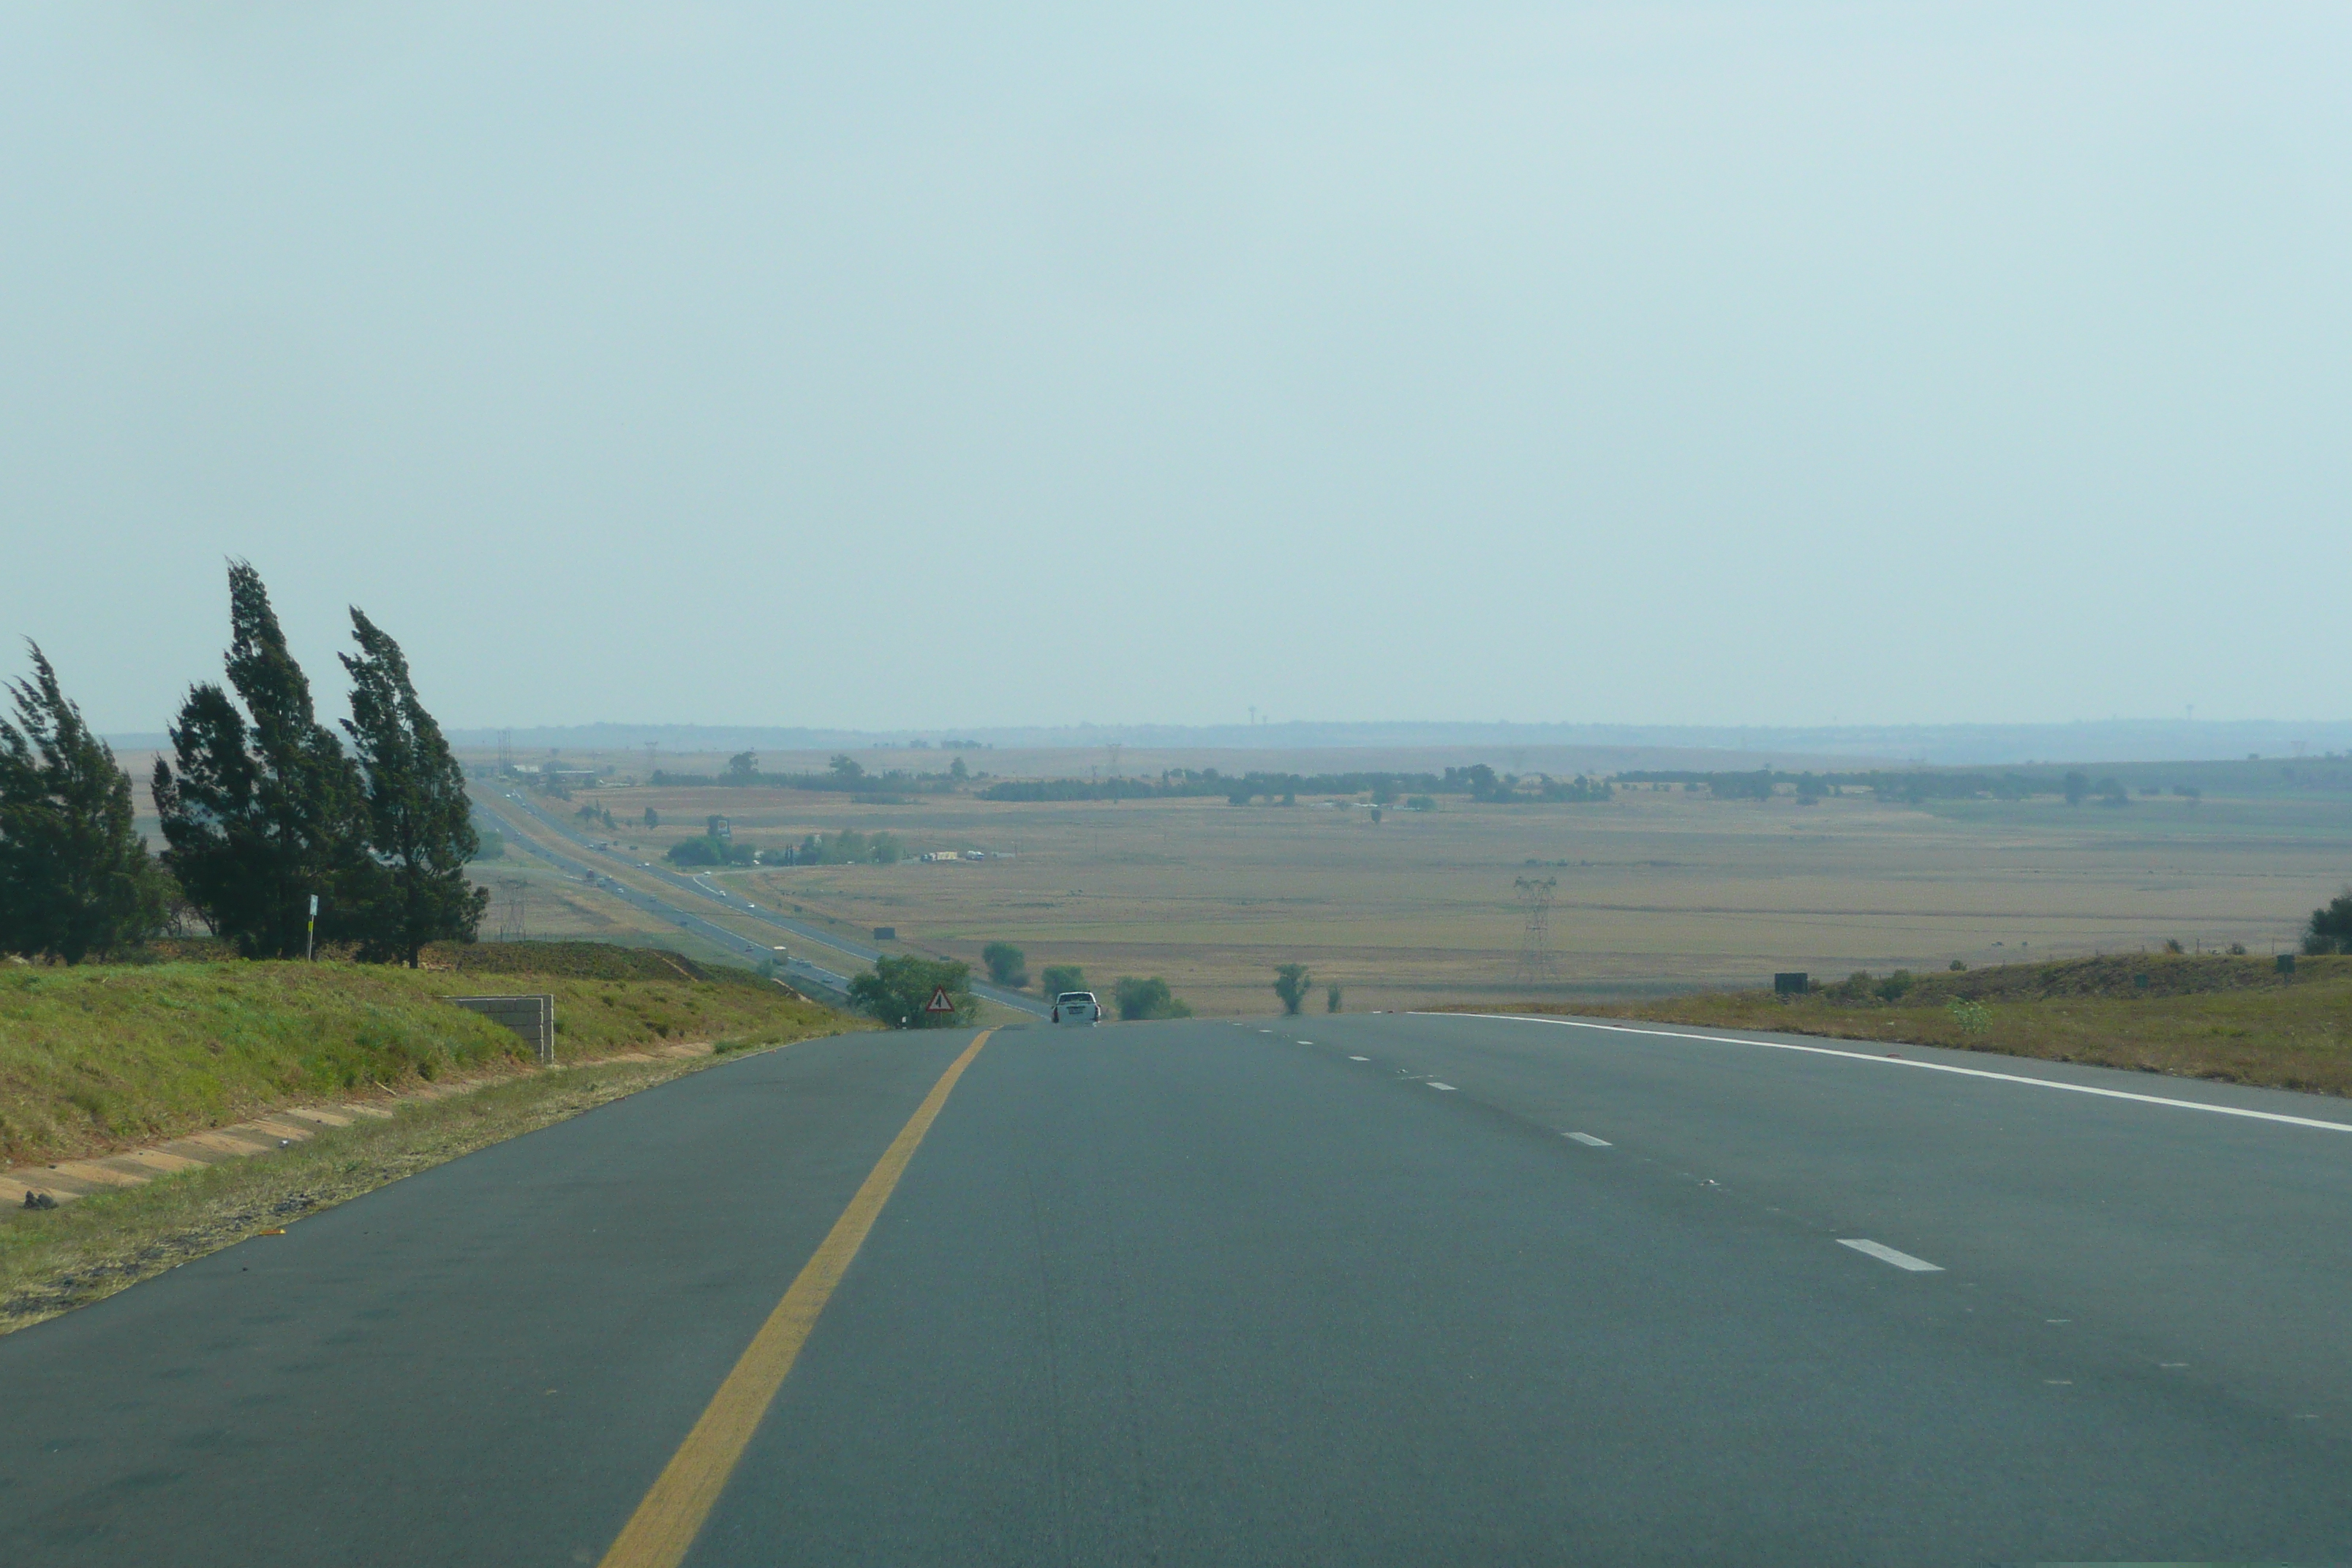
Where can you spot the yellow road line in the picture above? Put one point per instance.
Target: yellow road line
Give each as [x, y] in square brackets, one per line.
[671, 1515]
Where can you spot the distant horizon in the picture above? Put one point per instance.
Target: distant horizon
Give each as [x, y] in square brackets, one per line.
[1943, 745]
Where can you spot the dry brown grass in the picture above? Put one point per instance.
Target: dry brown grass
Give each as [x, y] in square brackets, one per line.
[1660, 891]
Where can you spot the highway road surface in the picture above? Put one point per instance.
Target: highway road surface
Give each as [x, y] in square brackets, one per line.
[799, 969]
[699, 890]
[1346, 1291]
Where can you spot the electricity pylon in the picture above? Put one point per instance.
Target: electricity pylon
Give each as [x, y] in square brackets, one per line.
[1535, 939]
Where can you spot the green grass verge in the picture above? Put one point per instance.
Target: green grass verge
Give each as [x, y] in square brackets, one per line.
[99, 1057]
[2233, 1020]
[54, 1261]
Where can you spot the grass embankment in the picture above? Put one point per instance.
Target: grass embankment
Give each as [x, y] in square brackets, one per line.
[54, 1261]
[101, 1057]
[2235, 1020]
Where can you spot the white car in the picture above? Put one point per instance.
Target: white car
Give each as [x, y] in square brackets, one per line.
[1077, 1007]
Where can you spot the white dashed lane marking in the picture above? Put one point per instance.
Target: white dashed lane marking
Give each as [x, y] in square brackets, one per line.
[1589, 1140]
[1360, 1058]
[1888, 1254]
[1448, 1087]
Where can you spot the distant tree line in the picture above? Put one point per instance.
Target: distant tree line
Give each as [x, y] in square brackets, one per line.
[846, 775]
[846, 847]
[1910, 786]
[263, 808]
[1479, 782]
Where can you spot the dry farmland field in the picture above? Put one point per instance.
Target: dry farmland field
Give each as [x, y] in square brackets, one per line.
[1658, 890]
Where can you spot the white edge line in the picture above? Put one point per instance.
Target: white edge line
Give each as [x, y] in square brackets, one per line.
[1885, 1254]
[1925, 1067]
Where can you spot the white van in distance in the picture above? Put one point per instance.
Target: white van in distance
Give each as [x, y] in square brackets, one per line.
[1077, 1007]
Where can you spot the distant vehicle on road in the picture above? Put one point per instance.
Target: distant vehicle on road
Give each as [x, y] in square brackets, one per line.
[1077, 1007]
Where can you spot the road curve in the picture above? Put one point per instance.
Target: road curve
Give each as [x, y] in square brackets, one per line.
[1378, 1290]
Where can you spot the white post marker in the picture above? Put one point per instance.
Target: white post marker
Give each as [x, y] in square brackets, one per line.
[310, 931]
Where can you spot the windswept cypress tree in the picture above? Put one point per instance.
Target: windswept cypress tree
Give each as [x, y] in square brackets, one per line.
[421, 826]
[75, 878]
[265, 808]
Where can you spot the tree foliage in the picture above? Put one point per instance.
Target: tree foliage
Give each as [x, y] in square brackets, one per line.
[846, 847]
[1007, 965]
[708, 850]
[420, 823]
[75, 876]
[896, 989]
[1056, 978]
[1146, 998]
[1291, 983]
[265, 808]
[2330, 927]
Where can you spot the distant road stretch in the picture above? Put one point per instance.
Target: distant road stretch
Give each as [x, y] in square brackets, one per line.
[505, 806]
[1386, 1290]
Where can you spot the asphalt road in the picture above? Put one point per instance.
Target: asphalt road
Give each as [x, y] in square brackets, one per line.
[799, 969]
[696, 891]
[1336, 1291]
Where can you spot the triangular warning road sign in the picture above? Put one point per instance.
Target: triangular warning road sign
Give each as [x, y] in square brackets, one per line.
[938, 1001]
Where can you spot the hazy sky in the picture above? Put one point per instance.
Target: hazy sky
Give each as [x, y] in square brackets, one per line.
[880, 364]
